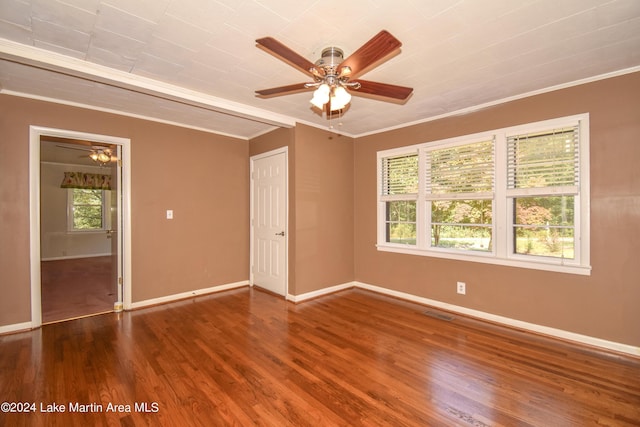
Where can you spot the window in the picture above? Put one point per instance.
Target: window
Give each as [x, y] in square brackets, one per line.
[86, 209]
[399, 194]
[459, 193]
[515, 196]
[542, 186]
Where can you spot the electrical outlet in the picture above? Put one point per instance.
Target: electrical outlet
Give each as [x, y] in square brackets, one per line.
[462, 288]
[169, 214]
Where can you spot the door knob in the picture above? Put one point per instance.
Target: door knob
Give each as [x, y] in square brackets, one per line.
[280, 233]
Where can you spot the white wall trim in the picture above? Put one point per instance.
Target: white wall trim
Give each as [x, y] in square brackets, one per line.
[505, 100]
[16, 327]
[188, 294]
[35, 132]
[321, 292]
[544, 330]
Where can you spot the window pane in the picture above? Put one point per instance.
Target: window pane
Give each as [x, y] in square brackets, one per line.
[87, 197]
[545, 241]
[87, 209]
[401, 222]
[543, 160]
[87, 217]
[462, 169]
[465, 237]
[544, 226]
[461, 211]
[556, 210]
[400, 175]
[461, 224]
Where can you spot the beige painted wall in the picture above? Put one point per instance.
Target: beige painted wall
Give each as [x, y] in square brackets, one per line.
[323, 209]
[201, 176]
[604, 305]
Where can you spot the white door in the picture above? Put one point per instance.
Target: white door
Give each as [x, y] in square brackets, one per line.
[269, 221]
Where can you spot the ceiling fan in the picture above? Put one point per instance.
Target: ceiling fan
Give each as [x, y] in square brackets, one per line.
[334, 77]
[99, 154]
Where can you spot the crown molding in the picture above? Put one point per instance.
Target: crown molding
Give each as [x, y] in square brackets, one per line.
[36, 57]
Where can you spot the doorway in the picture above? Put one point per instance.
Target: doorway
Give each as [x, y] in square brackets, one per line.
[269, 216]
[80, 245]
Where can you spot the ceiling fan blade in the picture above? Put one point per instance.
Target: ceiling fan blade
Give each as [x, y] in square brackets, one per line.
[379, 47]
[75, 148]
[384, 90]
[282, 90]
[282, 52]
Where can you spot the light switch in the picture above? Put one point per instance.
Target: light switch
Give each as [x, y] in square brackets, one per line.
[169, 214]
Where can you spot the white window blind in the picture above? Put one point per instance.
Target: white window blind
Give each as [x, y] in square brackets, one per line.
[544, 160]
[400, 175]
[461, 171]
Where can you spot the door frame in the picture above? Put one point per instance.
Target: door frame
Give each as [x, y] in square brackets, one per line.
[35, 132]
[278, 151]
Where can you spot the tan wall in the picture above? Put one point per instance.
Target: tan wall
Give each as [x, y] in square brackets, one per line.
[207, 244]
[604, 305]
[323, 209]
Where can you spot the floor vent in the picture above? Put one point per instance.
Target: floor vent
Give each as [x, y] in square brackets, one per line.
[467, 418]
[438, 315]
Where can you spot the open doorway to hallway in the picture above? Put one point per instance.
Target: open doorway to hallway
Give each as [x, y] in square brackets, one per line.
[80, 224]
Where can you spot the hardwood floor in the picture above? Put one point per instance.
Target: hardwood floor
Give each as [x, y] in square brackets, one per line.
[76, 287]
[245, 357]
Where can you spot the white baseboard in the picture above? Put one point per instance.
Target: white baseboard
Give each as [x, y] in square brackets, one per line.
[189, 294]
[545, 330]
[16, 327]
[321, 292]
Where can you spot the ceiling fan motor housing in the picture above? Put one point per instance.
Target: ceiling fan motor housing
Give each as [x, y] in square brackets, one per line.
[330, 59]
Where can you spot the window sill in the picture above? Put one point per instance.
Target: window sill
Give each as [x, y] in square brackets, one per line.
[488, 258]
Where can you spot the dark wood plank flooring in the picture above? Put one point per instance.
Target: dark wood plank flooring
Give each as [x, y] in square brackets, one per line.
[76, 287]
[355, 358]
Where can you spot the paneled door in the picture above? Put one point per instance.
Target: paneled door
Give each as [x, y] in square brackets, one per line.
[269, 221]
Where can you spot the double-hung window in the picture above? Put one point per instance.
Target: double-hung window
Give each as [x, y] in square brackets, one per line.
[515, 196]
[543, 187]
[86, 209]
[399, 195]
[459, 194]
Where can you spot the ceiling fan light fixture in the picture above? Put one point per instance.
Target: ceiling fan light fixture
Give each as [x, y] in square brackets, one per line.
[340, 98]
[103, 157]
[321, 96]
[100, 155]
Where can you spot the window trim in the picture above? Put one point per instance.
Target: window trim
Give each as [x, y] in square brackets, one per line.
[502, 252]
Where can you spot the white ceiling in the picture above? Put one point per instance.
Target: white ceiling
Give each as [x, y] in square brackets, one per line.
[195, 62]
